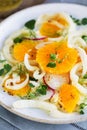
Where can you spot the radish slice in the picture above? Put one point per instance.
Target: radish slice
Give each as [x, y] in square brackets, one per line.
[55, 81]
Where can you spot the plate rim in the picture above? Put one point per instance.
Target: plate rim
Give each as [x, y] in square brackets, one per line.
[80, 118]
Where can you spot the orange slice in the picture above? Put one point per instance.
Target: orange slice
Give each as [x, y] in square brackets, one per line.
[21, 92]
[50, 30]
[68, 57]
[20, 49]
[69, 97]
[54, 26]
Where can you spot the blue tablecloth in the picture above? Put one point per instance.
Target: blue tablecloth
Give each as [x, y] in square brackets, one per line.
[9, 121]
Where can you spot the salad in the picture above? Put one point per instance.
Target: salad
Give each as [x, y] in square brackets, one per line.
[44, 64]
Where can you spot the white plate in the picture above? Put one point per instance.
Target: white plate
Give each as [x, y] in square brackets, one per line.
[14, 23]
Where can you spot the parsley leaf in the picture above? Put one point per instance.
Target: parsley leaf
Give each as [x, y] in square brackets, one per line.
[5, 69]
[51, 64]
[83, 79]
[42, 89]
[21, 69]
[1, 61]
[18, 40]
[1, 72]
[59, 60]
[77, 21]
[81, 112]
[33, 79]
[31, 85]
[81, 108]
[30, 24]
[84, 21]
[32, 95]
[84, 38]
[53, 56]
[85, 76]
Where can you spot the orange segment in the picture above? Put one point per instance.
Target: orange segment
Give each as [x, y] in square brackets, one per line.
[52, 27]
[61, 19]
[68, 56]
[69, 97]
[21, 92]
[20, 49]
[32, 53]
[50, 30]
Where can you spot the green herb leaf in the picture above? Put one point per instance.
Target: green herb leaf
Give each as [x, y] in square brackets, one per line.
[33, 79]
[84, 38]
[18, 40]
[42, 89]
[84, 21]
[1, 61]
[81, 112]
[32, 95]
[21, 69]
[77, 21]
[59, 60]
[81, 108]
[85, 76]
[82, 105]
[51, 64]
[31, 85]
[1, 72]
[7, 68]
[81, 80]
[30, 24]
[53, 56]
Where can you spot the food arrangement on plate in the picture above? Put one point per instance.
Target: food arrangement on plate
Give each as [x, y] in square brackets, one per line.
[44, 64]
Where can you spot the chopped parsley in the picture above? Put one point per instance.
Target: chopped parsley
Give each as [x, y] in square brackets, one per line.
[1, 72]
[18, 40]
[75, 20]
[31, 85]
[33, 79]
[30, 24]
[1, 61]
[82, 21]
[41, 90]
[21, 69]
[5, 69]
[81, 108]
[53, 56]
[81, 112]
[59, 60]
[83, 79]
[85, 76]
[51, 64]
[84, 38]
